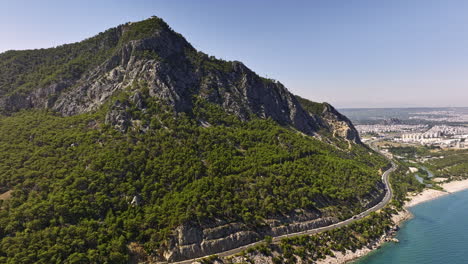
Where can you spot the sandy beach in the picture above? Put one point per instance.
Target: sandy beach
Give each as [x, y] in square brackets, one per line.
[424, 196]
[431, 194]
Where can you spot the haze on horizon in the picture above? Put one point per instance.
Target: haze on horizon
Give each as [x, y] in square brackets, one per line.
[359, 53]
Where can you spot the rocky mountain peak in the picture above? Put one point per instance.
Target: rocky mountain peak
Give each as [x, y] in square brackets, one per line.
[81, 77]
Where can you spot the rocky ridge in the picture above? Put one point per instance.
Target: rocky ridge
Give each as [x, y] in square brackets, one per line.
[175, 73]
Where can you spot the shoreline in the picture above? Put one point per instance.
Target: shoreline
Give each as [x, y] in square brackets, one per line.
[351, 256]
[431, 194]
[414, 199]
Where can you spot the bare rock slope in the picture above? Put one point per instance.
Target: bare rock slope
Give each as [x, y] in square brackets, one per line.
[150, 52]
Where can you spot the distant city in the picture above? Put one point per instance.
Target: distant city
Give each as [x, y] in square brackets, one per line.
[443, 127]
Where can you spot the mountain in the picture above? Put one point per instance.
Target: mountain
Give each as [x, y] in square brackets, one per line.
[133, 146]
[78, 78]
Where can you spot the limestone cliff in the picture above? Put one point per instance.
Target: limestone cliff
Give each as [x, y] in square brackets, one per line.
[150, 52]
[194, 240]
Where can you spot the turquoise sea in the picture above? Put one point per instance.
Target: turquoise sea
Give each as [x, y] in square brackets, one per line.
[438, 233]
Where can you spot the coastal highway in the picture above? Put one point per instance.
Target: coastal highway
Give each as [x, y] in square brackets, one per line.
[386, 199]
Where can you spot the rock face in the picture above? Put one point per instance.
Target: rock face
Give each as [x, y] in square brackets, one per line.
[175, 73]
[339, 124]
[194, 240]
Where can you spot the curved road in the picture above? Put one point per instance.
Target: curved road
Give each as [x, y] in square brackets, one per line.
[380, 205]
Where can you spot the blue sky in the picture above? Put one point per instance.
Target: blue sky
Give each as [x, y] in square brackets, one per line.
[351, 53]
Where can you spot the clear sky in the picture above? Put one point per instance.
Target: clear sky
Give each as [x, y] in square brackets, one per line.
[351, 53]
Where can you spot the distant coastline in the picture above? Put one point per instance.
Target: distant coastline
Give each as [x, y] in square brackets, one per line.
[415, 199]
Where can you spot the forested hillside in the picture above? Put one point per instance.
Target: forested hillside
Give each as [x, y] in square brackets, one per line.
[104, 163]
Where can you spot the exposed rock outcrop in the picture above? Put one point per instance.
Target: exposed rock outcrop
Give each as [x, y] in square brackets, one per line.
[339, 124]
[374, 197]
[175, 73]
[194, 240]
[118, 117]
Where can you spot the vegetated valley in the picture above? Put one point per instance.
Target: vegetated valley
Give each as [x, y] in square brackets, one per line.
[133, 146]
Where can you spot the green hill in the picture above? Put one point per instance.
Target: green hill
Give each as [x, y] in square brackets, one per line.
[114, 147]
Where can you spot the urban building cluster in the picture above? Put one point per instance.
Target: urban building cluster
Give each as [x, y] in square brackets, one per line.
[445, 128]
[441, 116]
[382, 129]
[443, 136]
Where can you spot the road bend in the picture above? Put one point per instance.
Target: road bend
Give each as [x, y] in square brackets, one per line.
[386, 199]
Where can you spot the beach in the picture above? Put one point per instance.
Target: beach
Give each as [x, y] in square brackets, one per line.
[414, 199]
[431, 194]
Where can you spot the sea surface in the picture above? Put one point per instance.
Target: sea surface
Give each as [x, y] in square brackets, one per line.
[438, 233]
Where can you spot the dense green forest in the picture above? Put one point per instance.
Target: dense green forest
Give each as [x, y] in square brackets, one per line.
[310, 248]
[73, 178]
[311, 107]
[450, 164]
[75, 189]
